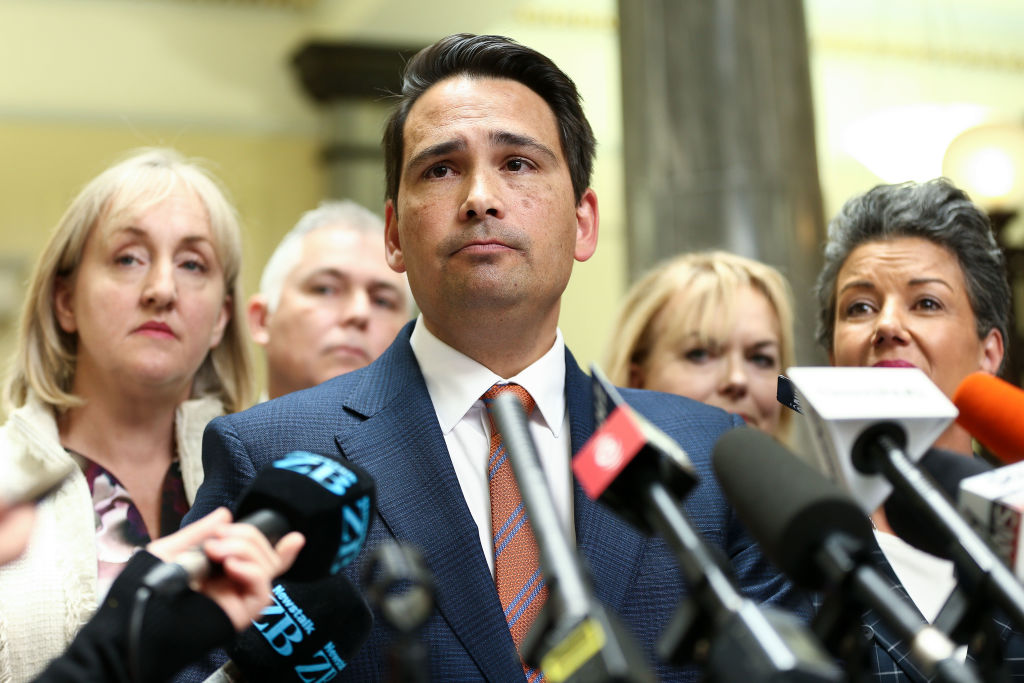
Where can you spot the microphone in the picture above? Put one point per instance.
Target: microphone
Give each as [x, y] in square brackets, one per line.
[329, 502]
[877, 442]
[308, 633]
[993, 503]
[992, 410]
[401, 588]
[841, 403]
[641, 473]
[574, 638]
[947, 470]
[818, 536]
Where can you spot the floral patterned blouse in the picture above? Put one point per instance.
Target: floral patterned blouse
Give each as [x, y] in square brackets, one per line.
[120, 530]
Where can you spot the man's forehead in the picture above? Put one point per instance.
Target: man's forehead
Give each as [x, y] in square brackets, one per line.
[464, 99]
[341, 248]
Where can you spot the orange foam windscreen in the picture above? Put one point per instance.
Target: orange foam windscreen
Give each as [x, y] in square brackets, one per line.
[992, 410]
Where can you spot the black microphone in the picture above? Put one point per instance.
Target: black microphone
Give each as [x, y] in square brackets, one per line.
[309, 632]
[641, 473]
[879, 449]
[329, 502]
[574, 638]
[819, 537]
[947, 470]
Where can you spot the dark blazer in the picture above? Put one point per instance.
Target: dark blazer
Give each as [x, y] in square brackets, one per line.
[890, 656]
[382, 419]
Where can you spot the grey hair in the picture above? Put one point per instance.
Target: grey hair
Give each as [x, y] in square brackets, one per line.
[343, 214]
[937, 211]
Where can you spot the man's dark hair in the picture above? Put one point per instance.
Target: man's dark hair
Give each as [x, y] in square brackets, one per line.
[936, 211]
[493, 57]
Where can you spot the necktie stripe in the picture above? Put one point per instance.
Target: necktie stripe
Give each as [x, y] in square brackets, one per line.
[536, 587]
[511, 536]
[515, 513]
[519, 596]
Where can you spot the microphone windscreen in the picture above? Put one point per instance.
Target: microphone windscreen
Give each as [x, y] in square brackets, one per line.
[788, 507]
[948, 470]
[308, 633]
[992, 410]
[330, 502]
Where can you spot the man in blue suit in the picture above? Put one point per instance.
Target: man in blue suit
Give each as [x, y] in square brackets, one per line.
[489, 157]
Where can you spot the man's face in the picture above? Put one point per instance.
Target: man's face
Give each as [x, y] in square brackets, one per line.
[340, 308]
[485, 217]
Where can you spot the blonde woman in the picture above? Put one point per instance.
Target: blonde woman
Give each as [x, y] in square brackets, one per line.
[129, 343]
[715, 327]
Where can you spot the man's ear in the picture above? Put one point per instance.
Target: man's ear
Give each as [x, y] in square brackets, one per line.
[63, 308]
[258, 312]
[586, 226]
[392, 241]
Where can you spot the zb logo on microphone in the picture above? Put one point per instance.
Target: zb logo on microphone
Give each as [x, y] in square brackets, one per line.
[284, 625]
[333, 476]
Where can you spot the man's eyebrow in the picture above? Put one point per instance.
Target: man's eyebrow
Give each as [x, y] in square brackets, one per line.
[440, 149]
[509, 139]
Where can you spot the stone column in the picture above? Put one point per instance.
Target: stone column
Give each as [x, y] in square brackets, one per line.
[719, 138]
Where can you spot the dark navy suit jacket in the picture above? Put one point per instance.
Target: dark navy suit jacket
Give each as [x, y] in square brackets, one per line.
[382, 419]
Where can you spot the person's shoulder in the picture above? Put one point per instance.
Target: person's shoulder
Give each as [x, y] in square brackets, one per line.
[681, 417]
[658, 402]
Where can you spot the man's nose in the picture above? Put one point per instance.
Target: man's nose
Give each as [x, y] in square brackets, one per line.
[356, 308]
[483, 196]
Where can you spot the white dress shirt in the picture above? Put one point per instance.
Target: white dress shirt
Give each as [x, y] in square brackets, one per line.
[456, 382]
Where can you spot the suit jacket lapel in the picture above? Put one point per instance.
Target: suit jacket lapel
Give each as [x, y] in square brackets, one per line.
[610, 546]
[420, 502]
[883, 634]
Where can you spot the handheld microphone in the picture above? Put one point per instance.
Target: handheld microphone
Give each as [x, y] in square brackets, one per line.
[329, 502]
[641, 473]
[992, 410]
[818, 535]
[574, 638]
[308, 633]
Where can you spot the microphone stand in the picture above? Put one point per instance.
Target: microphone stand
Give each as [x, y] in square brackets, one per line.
[393, 568]
[574, 638]
[985, 584]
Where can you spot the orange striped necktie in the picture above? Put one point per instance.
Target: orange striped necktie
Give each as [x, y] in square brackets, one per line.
[517, 572]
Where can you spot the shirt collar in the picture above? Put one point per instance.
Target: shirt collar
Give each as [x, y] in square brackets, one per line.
[456, 382]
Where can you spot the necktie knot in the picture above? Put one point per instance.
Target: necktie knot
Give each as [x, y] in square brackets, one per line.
[516, 390]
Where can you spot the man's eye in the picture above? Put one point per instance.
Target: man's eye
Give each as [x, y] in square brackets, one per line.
[439, 171]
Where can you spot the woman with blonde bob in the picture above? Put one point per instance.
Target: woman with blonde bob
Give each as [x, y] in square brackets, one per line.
[712, 326]
[129, 343]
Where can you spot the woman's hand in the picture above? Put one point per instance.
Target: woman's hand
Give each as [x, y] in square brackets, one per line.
[248, 560]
